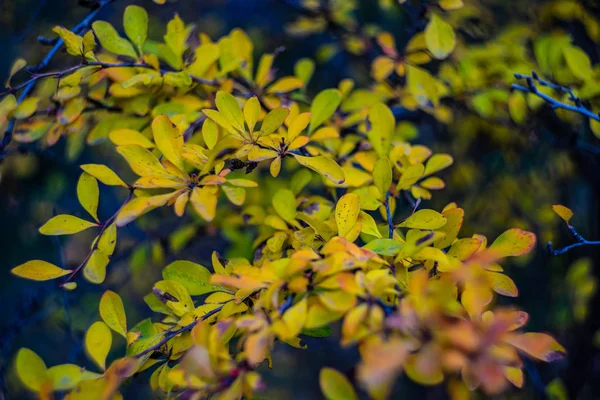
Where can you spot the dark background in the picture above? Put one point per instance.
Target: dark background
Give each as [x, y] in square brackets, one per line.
[501, 183]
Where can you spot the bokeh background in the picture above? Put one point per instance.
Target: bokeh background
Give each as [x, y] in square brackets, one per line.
[503, 176]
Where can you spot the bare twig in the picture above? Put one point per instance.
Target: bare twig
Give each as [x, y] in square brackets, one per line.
[531, 87]
[580, 241]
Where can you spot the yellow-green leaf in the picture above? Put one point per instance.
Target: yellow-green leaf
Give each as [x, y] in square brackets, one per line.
[65, 224]
[251, 112]
[204, 201]
[513, 242]
[98, 340]
[437, 163]
[73, 42]
[324, 166]
[103, 174]
[68, 376]
[39, 270]
[424, 219]
[95, 268]
[382, 175]
[230, 109]
[142, 161]
[284, 203]
[385, 247]
[31, 369]
[135, 23]
[139, 206]
[565, 213]
[168, 139]
[346, 213]
[125, 137]
[336, 386]
[578, 62]
[273, 120]
[88, 194]
[323, 107]
[439, 37]
[383, 124]
[111, 41]
[194, 277]
[113, 313]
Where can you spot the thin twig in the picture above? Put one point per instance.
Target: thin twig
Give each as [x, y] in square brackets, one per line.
[172, 333]
[580, 241]
[531, 87]
[388, 211]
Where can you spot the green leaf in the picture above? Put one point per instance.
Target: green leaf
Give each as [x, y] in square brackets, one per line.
[135, 22]
[68, 376]
[113, 313]
[88, 194]
[194, 277]
[323, 107]
[273, 120]
[284, 203]
[230, 109]
[336, 386]
[439, 37]
[103, 174]
[111, 41]
[38, 270]
[98, 340]
[65, 224]
[384, 247]
[424, 219]
[31, 369]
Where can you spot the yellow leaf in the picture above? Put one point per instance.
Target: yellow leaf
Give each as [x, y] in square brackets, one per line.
[113, 312]
[565, 213]
[98, 340]
[284, 203]
[539, 345]
[31, 369]
[236, 195]
[424, 219]
[517, 106]
[294, 319]
[336, 386]
[168, 139]
[142, 161]
[251, 112]
[103, 174]
[135, 23]
[124, 137]
[410, 176]
[205, 56]
[440, 37]
[382, 127]
[111, 41]
[513, 242]
[437, 163]
[297, 125]
[204, 201]
[304, 69]
[26, 108]
[73, 42]
[210, 133]
[346, 213]
[230, 110]
[502, 284]
[139, 206]
[18, 65]
[88, 194]
[65, 224]
[286, 84]
[323, 107]
[368, 225]
[324, 166]
[39, 270]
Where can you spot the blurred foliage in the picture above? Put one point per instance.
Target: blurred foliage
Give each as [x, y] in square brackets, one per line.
[444, 70]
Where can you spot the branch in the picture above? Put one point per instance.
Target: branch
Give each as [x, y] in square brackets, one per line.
[531, 87]
[8, 134]
[581, 241]
[172, 333]
[388, 211]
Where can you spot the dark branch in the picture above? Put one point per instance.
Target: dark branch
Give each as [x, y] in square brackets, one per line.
[580, 241]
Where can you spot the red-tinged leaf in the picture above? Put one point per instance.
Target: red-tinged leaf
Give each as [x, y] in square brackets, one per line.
[513, 242]
[538, 345]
